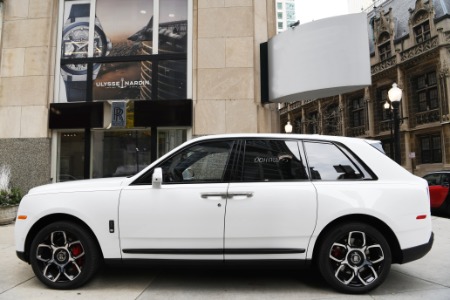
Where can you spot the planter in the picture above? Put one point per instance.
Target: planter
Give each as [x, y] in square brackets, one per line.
[8, 214]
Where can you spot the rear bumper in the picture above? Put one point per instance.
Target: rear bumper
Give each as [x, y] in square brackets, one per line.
[417, 252]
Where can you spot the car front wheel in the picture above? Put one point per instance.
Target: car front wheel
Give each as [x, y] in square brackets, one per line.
[354, 258]
[64, 256]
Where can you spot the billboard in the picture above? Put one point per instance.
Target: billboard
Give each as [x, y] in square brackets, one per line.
[319, 59]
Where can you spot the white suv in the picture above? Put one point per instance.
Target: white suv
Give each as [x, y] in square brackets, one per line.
[335, 202]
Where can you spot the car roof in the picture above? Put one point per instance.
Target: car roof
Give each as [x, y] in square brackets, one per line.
[282, 136]
[438, 172]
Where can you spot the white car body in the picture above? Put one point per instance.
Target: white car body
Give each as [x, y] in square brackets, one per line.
[226, 221]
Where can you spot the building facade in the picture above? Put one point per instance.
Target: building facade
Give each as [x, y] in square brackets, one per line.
[409, 42]
[100, 88]
[285, 14]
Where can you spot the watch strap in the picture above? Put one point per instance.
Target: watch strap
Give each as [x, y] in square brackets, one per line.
[79, 11]
[76, 91]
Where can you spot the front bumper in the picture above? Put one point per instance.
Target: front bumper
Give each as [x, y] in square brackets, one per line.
[417, 252]
[22, 256]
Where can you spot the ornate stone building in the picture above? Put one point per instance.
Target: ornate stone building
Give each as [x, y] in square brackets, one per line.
[409, 45]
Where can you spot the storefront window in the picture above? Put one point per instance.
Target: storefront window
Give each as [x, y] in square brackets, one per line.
[108, 53]
[115, 153]
[169, 139]
[120, 153]
[71, 156]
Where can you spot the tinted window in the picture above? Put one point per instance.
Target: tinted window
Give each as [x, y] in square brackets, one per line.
[272, 160]
[329, 162]
[205, 162]
[433, 179]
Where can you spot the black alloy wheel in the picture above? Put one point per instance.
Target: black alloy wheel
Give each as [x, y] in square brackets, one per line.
[354, 258]
[64, 256]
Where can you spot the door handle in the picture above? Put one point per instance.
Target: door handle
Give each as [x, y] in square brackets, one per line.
[209, 195]
[245, 194]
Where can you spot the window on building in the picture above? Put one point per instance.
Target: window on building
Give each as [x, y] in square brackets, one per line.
[313, 123]
[290, 12]
[168, 139]
[331, 119]
[384, 48]
[382, 100]
[120, 153]
[427, 92]
[280, 15]
[71, 156]
[388, 147]
[273, 160]
[279, 5]
[298, 125]
[422, 32]
[280, 25]
[430, 149]
[384, 51]
[357, 112]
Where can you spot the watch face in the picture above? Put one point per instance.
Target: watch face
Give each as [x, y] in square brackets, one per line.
[75, 44]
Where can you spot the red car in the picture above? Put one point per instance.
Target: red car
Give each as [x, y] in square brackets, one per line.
[438, 183]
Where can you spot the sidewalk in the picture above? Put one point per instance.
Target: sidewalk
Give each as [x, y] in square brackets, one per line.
[428, 277]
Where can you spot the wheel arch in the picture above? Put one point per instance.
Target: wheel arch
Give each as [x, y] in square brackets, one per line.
[378, 224]
[52, 219]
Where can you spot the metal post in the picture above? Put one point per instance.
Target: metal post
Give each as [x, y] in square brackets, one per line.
[397, 152]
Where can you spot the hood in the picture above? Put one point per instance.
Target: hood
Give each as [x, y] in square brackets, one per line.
[80, 185]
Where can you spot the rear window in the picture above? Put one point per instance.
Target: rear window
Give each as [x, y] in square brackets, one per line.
[327, 161]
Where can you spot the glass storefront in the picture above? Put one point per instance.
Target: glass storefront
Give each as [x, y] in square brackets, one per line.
[111, 68]
[71, 156]
[120, 153]
[114, 153]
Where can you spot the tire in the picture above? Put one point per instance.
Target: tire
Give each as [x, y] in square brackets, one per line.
[354, 258]
[63, 255]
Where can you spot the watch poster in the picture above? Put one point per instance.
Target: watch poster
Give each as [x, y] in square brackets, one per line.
[125, 29]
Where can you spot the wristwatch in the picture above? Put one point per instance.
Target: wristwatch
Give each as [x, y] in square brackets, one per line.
[75, 43]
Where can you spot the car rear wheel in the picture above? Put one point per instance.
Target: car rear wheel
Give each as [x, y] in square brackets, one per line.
[64, 255]
[354, 258]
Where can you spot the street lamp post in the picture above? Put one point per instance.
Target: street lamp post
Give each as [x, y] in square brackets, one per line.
[388, 109]
[395, 95]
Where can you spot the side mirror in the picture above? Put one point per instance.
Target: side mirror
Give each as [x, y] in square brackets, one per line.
[157, 178]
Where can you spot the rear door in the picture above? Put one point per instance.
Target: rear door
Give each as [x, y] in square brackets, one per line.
[271, 205]
[438, 186]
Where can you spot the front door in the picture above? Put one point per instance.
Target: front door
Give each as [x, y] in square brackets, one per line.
[184, 218]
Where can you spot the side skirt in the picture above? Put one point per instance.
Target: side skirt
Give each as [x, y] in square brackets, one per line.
[284, 264]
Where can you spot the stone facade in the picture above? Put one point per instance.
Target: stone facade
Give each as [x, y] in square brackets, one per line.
[226, 66]
[225, 72]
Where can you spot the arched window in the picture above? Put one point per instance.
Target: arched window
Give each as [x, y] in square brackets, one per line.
[384, 48]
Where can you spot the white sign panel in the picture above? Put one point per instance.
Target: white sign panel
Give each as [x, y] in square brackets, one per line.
[319, 59]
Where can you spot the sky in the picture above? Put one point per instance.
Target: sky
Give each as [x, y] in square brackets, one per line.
[310, 10]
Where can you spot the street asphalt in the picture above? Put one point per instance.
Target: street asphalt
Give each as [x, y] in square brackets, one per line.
[427, 278]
